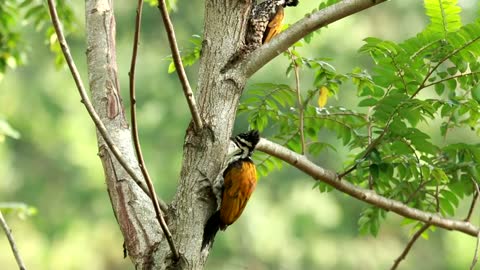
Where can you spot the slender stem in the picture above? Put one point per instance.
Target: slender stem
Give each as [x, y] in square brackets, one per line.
[472, 206]
[299, 101]
[11, 240]
[409, 246]
[177, 60]
[475, 256]
[136, 140]
[369, 134]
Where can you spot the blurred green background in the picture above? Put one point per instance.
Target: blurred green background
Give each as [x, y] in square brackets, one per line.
[287, 225]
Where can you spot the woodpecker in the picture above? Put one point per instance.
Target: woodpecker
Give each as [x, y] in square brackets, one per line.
[239, 181]
[265, 21]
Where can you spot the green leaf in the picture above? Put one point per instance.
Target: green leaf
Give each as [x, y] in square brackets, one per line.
[444, 16]
[446, 207]
[439, 176]
[368, 102]
[7, 130]
[439, 88]
[476, 93]
[369, 221]
[22, 210]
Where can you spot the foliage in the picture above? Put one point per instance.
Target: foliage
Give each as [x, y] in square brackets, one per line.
[433, 76]
[171, 4]
[189, 56]
[6, 130]
[22, 210]
[17, 13]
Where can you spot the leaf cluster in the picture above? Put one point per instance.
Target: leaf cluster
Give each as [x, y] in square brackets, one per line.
[15, 14]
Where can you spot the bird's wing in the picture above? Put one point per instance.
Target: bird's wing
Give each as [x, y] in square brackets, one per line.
[240, 181]
[274, 26]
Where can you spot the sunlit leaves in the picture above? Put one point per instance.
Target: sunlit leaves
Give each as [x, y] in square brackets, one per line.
[189, 56]
[266, 103]
[171, 4]
[369, 221]
[22, 210]
[444, 15]
[6, 130]
[14, 15]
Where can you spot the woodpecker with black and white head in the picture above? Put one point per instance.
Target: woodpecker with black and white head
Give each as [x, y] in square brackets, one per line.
[239, 181]
[266, 20]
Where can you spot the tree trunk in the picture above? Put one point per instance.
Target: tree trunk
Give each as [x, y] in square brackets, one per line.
[204, 150]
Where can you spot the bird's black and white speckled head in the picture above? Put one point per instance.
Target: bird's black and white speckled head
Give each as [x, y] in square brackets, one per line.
[246, 143]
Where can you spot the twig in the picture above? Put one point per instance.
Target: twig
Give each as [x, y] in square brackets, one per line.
[88, 104]
[299, 100]
[474, 201]
[475, 257]
[11, 240]
[136, 140]
[409, 246]
[320, 174]
[177, 60]
[369, 134]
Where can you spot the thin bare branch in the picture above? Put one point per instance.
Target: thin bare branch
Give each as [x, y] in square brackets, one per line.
[475, 257]
[474, 201]
[136, 140]
[300, 29]
[299, 101]
[11, 240]
[369, 134]
[177, 60]
[409, 246]
[369, 196]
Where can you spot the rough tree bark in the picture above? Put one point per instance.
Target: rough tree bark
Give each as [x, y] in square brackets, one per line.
[217, 100]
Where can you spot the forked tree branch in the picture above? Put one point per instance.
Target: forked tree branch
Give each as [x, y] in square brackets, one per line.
[11, 240]
[96, 119]
[177, 60]
[136, 140]
[300, 29]
[369, 196]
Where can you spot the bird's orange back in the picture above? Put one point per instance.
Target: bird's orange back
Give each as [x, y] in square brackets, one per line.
[240, 179]
[274, 26]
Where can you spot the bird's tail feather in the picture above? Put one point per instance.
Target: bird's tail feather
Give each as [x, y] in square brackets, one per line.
[211, 229]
